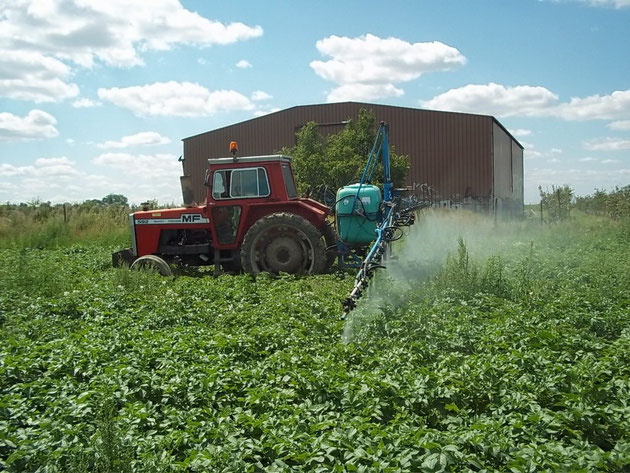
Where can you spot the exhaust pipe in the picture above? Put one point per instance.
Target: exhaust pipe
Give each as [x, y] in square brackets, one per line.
[187, 190]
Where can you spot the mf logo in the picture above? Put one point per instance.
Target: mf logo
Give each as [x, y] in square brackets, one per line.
[183, 218]
[191, 218]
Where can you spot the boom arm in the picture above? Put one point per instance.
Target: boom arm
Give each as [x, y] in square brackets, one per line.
[394, 216]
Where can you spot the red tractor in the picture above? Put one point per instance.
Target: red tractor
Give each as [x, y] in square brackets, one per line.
[252, 220]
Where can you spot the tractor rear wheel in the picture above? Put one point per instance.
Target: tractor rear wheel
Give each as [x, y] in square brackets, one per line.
[152, 262]
[283, 242]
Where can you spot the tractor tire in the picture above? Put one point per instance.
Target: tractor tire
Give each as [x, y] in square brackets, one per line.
[152, 262]
[330, 238]
[283, 242]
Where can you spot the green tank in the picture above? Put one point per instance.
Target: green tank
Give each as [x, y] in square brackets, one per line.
[357, 221]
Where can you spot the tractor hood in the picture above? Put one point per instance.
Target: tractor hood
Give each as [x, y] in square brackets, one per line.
[178, 216]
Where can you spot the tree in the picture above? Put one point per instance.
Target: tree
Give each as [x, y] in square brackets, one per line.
[340, 159]
[308, 157]
[115, 199]
[557, 202]
[615, 204]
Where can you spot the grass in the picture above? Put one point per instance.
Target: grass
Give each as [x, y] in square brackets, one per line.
[503, 350]
[45, 227]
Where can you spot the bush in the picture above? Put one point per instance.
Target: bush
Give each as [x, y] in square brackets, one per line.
[557, 202]
[340, 158]
[615, 204]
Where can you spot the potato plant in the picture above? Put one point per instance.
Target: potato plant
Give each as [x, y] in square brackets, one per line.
[516, 362]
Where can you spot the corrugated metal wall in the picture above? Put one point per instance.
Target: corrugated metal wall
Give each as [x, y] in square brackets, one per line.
[508, 171]
[450, 151]
[517, 176]
[502, 151]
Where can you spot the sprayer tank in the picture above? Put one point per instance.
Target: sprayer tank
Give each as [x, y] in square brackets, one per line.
[357, 213]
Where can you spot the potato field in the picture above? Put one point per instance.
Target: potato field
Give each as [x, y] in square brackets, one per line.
[488, 347]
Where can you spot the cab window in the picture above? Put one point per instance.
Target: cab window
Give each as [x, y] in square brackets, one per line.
[289, 183]
[220, 185]
[240, 183]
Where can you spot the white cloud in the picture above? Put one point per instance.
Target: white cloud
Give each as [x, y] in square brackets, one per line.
[531, 153]
[86, 103]
[583, 181]
[610, 161]
[55, 168]
[603, 107]
[587, 159]
[259, 95]
[623, 125]
[519, 132]
[57, 179]
[535, 101]
[160, 165]
[494, 99]
[38, 39]
[598, 3]
[36, 125]
[607, 3]
[261, 112]
[9, 170]
[359, 92]
[129, 175]
[607, 144]
[367, 67]
[243, 64]
[548, 176]
[183, 99]
[143, 138]
[113, 31]
[29, 75]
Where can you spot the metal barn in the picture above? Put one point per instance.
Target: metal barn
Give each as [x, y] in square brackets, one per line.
[466, 159]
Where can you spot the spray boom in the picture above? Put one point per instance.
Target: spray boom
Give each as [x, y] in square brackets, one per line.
[395, 214]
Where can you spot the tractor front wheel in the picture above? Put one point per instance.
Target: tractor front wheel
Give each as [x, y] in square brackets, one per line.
[283, 242]
[152, 262]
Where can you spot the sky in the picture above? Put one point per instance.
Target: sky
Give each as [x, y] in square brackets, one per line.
[96, 96]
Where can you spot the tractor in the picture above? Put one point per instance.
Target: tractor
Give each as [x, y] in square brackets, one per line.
[253, 220]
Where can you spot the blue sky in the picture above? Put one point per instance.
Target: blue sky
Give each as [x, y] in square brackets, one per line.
[95, 96]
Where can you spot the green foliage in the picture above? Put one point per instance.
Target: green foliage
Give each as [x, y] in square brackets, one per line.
[464, 277]
[557, 202]
[340, 158]
[615, 204]
[515, 363]
[43, 225]
[114, 199]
